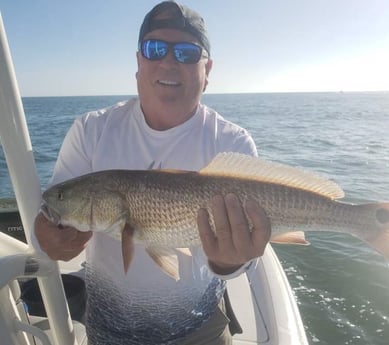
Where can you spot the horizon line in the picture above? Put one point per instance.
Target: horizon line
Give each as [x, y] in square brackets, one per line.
[213, 93]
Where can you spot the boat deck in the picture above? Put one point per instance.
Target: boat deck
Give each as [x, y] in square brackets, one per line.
[261, 299]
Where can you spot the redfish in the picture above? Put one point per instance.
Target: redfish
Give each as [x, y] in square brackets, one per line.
[161, 206]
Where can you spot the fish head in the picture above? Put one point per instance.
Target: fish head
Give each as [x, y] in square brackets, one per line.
[88, 202]
[69, 204]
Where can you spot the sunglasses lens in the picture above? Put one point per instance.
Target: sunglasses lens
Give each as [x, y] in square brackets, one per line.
[154, 50]
[187, 53]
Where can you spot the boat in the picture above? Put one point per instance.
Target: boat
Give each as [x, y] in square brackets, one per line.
[261, 298]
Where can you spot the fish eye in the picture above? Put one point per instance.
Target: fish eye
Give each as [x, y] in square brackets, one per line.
[60, 196]
[382, 215]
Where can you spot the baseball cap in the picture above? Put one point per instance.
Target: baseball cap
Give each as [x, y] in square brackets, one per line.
[173, 15]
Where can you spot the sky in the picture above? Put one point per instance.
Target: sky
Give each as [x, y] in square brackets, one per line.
[88, 47]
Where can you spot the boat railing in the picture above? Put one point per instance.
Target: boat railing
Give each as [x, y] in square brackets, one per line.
[16, 144]
[17, 262]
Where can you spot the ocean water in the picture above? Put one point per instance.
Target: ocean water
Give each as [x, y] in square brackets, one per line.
[341, 285]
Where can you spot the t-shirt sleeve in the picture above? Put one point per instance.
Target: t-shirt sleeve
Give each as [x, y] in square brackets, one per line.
[244, 143]
[233, 138]
[74, 158]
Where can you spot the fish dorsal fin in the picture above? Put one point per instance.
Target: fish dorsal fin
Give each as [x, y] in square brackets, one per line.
[247, 167]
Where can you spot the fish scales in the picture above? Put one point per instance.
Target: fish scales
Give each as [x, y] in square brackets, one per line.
[164, 205]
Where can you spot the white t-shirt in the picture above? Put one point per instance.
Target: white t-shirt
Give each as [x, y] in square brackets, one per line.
[145, 305]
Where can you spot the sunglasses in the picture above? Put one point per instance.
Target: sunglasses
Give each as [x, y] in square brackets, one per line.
[184, 52]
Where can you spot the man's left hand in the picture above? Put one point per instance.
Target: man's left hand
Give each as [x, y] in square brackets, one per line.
[234, 243]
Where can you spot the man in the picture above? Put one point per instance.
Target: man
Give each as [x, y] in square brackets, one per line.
[166, 127]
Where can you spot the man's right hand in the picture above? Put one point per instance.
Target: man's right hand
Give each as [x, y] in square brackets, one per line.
[59, 243]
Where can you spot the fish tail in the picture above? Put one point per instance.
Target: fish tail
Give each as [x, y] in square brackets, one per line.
[127, 246]
[380, 240]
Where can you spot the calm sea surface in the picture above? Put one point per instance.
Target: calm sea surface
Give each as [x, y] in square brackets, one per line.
[341, 285]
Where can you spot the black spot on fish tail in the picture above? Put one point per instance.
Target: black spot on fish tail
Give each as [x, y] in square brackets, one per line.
[382, 215]
[378, 236]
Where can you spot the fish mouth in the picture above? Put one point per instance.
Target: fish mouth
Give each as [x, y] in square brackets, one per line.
[50, 214]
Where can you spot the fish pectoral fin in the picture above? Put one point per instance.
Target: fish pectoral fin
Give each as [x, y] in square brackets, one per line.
[127, 246]
[293, 237]
[166, 259]
[115, 229]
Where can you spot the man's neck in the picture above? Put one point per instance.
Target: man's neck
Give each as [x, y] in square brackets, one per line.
[163, 119]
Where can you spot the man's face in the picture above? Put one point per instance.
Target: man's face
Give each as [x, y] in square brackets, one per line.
[167, 84]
